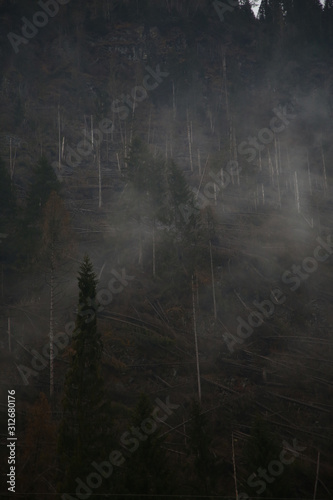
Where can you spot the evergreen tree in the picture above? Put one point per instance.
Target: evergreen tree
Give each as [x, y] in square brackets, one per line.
[147, 469]
[210, 225]
[7, 215]
[29, 231]
[184, 213]
[328, 22]
[44, 182]
[146, 187]
[7, 198]
[306, 17]
[271, 13]
[185, 218]
[85, 434]
[36, 464]
[199, 444]
[263, 12]
[246, 11]
[261, 449]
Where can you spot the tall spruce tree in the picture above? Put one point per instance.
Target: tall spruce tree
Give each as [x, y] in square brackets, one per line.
[271, 13]
[328, 22]
[146, 469]
[29, 230]
[246, 11]
[7, 198]
[182, 208]
[37, 452]
[7, 215]
[199, 447]
[85, 431]
[141, 177]
[261, 450]
[43, 183]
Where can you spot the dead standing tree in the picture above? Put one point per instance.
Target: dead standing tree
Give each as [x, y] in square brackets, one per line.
[57, 243]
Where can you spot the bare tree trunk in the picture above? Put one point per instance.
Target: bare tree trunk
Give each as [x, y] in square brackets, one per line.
[154, 250]
[196, 342]
[133, 114]
[277, 168]
[297, 194]
[10, 159]
[324, 168]
[125, 145]
[234, 150]
[279, 191]
[107, 148]
[231, 146]
[189, 142]
[199, 162]
[234, 464]
[149, 123]
[59, 140]
[13, 164]
[112, 128]
[140, 243]
[9, 337]
[225, 80]
[85, 133]
[289, 169]
[317, 474]
[174, 100]
[263, 194]
[51, 325]
[210, 116]
[213, 279]
[271, 169]
[309, 173]
[118, 162]
[99, 177]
